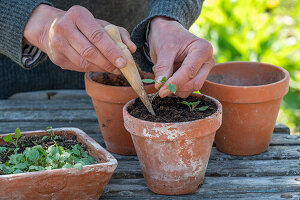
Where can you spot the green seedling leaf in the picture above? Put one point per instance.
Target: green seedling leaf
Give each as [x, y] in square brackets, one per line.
[21, 166]
[78, 166]
[148, 80]
[49, 127]
[17, 133]
[172, 88]
[64, 156]
[36, 168]
[18, 171]
[3, 149]
[163, 80]
[8, 138]
[33, 155]
[203, 108]
[45, 137]
[197, 92]
[16, 150]
[67, 165]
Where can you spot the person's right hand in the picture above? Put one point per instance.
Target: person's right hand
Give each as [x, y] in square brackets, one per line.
[75, 40]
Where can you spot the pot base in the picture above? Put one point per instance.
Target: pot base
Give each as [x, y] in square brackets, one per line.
[174, 187]
[119, 149]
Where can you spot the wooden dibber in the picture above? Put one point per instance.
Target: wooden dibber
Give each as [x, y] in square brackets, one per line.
[130, 71]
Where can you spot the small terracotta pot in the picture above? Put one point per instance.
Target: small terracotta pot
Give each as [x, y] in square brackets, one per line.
[173, 156]
[108, 103]
[61, 184]
[251, 94]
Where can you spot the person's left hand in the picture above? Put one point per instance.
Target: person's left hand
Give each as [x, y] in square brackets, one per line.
[184, 59]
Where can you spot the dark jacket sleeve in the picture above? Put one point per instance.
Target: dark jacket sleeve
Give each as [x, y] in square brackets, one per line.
[14, 15]
[183, 11]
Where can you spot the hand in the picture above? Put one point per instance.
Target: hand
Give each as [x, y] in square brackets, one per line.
[75, 40]
[184, 59]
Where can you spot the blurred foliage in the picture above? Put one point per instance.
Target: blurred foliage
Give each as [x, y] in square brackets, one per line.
[258, 30]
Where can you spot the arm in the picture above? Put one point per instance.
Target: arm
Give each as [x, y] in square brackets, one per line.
[14, 15]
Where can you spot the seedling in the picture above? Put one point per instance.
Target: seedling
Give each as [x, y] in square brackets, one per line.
[13, 140]
[171, 87]
[37, 158]
[50, 135]
[192, 105]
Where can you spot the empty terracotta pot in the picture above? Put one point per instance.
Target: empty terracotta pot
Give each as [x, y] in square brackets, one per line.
[173, 156]
[61, 184]
[108, 103]
[250, 94]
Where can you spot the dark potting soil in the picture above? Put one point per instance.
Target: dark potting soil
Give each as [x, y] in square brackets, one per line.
[24, 142]
[117, 80]
[169, 109]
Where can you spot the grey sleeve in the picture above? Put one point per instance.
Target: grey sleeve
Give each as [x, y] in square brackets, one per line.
[14, 15]
[183, 11]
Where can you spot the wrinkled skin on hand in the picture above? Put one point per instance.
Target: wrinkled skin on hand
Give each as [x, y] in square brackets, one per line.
[75, 40]
[180, 56]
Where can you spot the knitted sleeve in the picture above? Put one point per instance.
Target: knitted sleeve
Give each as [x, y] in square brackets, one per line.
[14, 15]
[183, 11]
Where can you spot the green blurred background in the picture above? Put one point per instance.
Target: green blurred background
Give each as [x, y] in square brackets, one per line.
[257, 30]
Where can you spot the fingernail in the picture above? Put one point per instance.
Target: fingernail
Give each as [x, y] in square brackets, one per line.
[120, 62]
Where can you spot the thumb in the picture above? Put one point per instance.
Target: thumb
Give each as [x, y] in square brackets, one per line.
[163, 67]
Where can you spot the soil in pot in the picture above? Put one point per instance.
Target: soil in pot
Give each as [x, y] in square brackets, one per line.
[13, 157]
[171, 109]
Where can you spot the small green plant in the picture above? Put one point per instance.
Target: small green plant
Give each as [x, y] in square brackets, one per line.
[37, 158]
[171, 87]
[192, 105]
[13, 140]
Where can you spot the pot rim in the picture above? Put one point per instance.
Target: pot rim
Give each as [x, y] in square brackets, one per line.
[248, 94]
[285, 72]
[88, 78]
[110, 164]
[114, 97]
[213, 123]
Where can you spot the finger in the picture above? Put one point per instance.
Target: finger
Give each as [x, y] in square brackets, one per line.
[126, 39]
[87, 50]
[163, 67]
[96, 34]
[191, 65]
[82, 64]
[199, 79]
[202, 74]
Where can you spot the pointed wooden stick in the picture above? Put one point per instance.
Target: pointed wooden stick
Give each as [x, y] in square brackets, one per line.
[130, 70]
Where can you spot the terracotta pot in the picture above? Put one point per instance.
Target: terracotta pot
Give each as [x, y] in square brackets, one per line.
[61, 184]
[108, 103]
[173, 156]
[250, 93]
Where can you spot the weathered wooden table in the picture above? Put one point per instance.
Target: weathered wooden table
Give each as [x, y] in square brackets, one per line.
[274, 174]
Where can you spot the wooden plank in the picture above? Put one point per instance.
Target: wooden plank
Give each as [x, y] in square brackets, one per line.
[52, 94]
[212, 188]
[273, 153]
[60, 104]
[49, 116]
[245, 196]
[243, 168]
